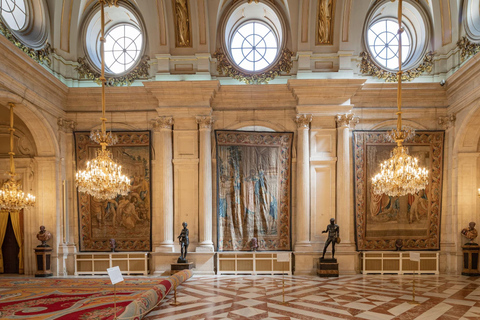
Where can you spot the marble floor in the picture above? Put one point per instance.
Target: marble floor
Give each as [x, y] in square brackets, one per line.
[309, 297]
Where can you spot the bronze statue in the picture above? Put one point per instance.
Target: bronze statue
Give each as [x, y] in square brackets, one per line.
[43, 236]
[184, 241]
[113, 244]
[470, 233]
[333, 237]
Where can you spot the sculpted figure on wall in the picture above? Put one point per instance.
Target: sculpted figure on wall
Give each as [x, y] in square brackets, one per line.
[324, 22]
[182, 23]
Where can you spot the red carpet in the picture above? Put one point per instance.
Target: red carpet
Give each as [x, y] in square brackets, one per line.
[60, 298]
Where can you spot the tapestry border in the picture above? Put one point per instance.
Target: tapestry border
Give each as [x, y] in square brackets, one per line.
[290, 186]
[435, 139]
[80, 242]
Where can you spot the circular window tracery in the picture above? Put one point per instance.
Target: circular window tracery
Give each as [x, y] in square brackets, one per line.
[383, 43]
[14, 13]
[254, 46]
[122, 47]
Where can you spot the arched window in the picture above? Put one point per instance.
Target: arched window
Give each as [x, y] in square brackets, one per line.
[123, 46]
[254, 46]
[27, 20]
[381, 34]
[125, 39]
[471, 19]
[383, 43]
[14, 13]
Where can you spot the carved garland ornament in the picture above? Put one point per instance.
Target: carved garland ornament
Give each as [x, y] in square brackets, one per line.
[467, 48]
[224, 67]
[369, 68]
[141, 71]
[41, 56]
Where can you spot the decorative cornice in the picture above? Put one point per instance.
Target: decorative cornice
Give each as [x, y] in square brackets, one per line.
[41, 56]
[164, 123]
[205, 122]
[141, 71]
[346, 120]
[224, 67]
[303, 120]
[66, 125]
[369, 68]
[447, 122]
[467, 48]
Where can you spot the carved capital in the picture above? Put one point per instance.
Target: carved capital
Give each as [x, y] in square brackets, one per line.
[66, 125]
[163, 123]
[346, 120]
[205, 122]
[303, 120]
[447, 122]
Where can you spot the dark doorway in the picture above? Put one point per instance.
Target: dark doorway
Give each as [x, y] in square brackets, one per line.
[10, 250]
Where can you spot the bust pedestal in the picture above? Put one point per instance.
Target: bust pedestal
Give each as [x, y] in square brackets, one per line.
[43, 255]
[327, 268]
[470, 259]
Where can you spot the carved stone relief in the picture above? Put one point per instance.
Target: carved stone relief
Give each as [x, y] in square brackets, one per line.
[182, 23]
[325, 12]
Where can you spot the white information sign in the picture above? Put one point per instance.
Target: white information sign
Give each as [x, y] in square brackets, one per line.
[283, 256]
[415, 256]
[115, 274]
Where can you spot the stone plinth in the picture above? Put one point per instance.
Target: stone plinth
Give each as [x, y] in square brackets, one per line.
[470, 260]
[43, 255]
[327, 268]
[175, 267]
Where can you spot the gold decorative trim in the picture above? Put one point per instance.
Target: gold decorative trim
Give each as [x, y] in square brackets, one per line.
[369, 68]
[224, 67]
[141, 71]
[41, 56]
[467, 48]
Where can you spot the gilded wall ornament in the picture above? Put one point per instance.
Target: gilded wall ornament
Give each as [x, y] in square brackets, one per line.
[140, 71]
[325, 13]
[467, 48]
[182, 23]
[224, 67]
[41, 56]
[369, 68]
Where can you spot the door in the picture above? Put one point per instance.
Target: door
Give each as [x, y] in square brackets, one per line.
[10, 250]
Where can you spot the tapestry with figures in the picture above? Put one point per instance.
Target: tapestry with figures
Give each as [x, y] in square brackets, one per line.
[254, 187]
[127, 219]
[410, 222]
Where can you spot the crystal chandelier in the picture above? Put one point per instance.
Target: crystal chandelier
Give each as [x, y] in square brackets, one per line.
[11, 195]
[400, 175]
[103, 178]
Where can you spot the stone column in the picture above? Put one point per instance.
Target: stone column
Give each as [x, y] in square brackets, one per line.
[68, 216]
[303, 184]
[449, 226]
[162, 178]
[344, 183]
[205, 185]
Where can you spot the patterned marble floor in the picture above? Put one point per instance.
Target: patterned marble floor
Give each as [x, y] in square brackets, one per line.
[346, 297]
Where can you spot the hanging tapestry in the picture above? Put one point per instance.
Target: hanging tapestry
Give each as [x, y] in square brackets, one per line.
[127, 219]
[253, 200]
[411, 222]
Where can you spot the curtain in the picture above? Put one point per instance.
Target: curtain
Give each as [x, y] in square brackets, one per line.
[17, 229]
[3, 230]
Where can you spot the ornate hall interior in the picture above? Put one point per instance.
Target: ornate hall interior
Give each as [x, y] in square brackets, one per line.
[245, 119]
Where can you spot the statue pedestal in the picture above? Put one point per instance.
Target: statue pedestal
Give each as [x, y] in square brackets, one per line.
[175, 267]
[471, 255]
[43, 255]
[327, 268]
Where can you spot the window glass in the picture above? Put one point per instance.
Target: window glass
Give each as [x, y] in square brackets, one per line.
[383, 43]
[122, 47]
[254, 46]
[14, 13]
